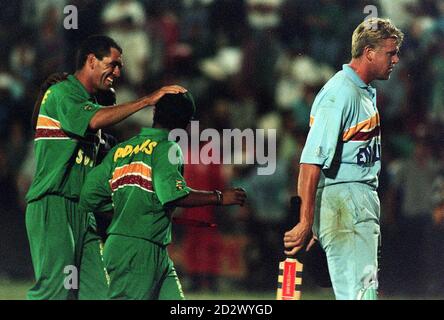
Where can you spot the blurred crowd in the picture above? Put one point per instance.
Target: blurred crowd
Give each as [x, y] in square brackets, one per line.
[249, 64]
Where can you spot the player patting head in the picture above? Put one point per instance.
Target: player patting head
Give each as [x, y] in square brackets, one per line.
[145, 183]
[341, 161]
[67, 123]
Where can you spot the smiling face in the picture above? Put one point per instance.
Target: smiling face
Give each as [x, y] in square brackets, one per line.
[105, 71]
[383, 58]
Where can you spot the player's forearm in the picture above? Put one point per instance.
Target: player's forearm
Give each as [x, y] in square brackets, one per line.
[196, 198]
[109, 116]
[307, 185]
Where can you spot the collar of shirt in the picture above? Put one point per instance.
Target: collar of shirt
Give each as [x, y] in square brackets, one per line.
[358, 81]
[161, 134]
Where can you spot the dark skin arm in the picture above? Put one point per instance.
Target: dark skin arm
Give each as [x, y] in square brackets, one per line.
[296, 238]
[197, 198]
[109, 116]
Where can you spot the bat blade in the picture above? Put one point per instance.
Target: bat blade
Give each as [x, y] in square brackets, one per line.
[290, 270]
[289, 280]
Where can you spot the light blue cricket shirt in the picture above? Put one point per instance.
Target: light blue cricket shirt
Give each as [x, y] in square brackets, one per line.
[345, 136]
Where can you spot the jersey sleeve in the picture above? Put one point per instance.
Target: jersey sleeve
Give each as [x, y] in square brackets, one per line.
[96, 191]
[75, 113]
[168, 181]
[323, 137]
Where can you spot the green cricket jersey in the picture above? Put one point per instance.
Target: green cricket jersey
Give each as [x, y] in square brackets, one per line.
[140, 178]
[64, 147]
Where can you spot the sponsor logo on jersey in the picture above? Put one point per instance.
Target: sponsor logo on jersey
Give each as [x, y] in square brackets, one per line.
[147, 147]
[369, 154]
[179, 185]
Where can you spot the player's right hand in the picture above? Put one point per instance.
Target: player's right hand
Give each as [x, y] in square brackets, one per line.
[153, 98]
[295, 239]
[234, 196]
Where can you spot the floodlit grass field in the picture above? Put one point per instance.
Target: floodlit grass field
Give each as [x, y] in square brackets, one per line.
[16, 290]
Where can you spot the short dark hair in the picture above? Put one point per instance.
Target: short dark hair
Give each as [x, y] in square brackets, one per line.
[175, 110]
[99, 45]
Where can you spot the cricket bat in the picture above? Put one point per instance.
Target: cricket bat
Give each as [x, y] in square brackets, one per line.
[290, 270]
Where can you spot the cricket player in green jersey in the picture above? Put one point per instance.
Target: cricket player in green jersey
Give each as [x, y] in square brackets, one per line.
[341, 161]
[64, 247]
[144, 179]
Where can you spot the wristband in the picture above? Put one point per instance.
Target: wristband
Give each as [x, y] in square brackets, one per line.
[220, 197]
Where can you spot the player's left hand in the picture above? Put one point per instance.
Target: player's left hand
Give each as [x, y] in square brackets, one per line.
[295, 239]
[234, 196]
[311, 243]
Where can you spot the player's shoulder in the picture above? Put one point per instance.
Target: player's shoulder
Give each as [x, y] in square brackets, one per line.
[54, 96]
[145, 143]
[340, 85]
[51, 99]
[166, 150]
[167, 145]
[128, 144]
[339, 92]
[60, 88]
[125, 151]
[68, 92]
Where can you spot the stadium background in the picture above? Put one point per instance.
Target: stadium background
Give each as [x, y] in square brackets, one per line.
[250, 64]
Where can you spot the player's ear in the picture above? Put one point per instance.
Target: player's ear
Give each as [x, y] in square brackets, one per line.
[369, 53]
[91, 60]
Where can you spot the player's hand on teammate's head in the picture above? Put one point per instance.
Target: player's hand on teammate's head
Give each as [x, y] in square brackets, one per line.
[156, 95]
[234, 196]
[172, 89]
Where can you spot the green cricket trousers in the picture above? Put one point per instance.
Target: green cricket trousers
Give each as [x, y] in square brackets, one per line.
[140, 270]
[65, 251]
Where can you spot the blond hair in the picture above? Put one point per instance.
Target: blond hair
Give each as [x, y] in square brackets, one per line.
[371, 32]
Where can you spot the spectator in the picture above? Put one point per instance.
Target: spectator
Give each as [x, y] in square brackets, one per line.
[124, 20]
[414, 182]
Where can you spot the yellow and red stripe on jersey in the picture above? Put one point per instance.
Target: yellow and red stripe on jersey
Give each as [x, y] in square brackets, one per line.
[48, 128]
[136, 174]
[364, 130]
